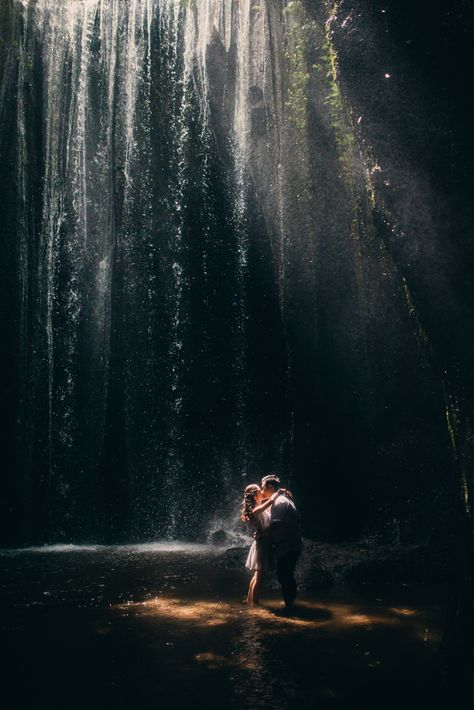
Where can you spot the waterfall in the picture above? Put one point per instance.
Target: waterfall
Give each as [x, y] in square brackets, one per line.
[199, 283]
[133, 263]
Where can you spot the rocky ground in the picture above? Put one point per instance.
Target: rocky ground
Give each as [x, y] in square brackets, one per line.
[323, 565]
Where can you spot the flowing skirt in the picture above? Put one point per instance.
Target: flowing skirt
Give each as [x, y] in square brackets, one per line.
[260, 555]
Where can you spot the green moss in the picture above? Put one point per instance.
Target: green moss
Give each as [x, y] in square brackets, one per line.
[457, 432]
[421, 334]
[461, 437]
[339, 115]
[305, 37]
[300, 34]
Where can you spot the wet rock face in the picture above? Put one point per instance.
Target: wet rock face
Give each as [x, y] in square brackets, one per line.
[403, 79]
[260, 120]
[403, 70]
[324, 565]
[208, 275]
[233, 558]
[256, 95]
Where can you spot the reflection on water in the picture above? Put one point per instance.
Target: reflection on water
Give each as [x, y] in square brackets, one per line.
[271, 658]
[126, 629]
[336, 617]
[199, 613]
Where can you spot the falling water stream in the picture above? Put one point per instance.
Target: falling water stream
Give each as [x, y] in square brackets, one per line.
[134, 265]
[197, 288]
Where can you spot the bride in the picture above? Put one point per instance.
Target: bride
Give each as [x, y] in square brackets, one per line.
[260, 557]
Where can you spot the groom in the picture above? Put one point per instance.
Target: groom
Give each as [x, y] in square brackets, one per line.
[285, 532]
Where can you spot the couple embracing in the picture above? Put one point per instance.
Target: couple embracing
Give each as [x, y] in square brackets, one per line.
[272, 514]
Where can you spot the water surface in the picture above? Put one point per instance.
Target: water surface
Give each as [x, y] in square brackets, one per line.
[164, 623]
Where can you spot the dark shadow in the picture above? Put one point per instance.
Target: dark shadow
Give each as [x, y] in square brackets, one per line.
[304, 612]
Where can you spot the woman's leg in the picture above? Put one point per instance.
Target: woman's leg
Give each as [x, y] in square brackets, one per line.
[250, 591]
[258, 577]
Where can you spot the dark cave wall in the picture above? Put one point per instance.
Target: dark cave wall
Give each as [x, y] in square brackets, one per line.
[373, 446]
[415, 125]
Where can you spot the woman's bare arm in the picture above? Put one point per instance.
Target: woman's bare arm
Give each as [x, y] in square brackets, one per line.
[263, 506]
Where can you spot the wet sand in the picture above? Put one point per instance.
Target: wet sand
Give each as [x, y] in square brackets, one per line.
[163, 626]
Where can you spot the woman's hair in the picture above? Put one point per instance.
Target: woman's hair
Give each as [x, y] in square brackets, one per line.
[249, 502]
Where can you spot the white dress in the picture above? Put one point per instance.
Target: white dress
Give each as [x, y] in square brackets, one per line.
[260, 555]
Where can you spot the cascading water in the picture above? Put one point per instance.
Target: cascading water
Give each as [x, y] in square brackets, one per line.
[134, 265]
[196, 288]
